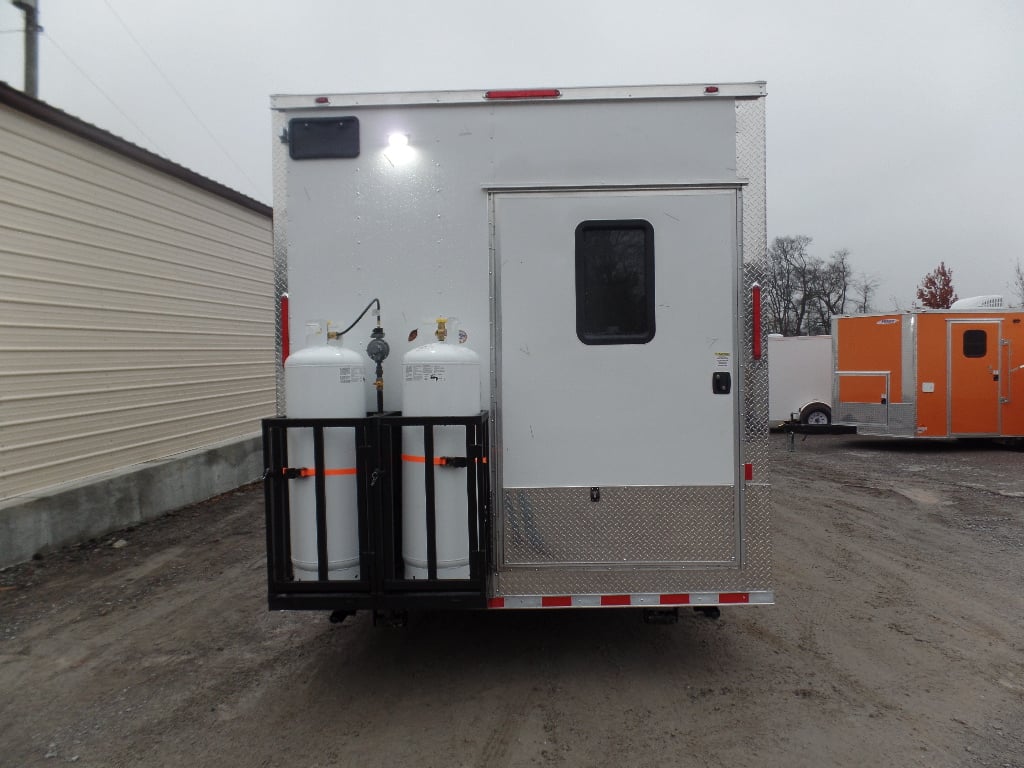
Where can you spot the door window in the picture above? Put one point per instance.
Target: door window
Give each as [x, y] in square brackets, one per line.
[975, 343]
[615, 282]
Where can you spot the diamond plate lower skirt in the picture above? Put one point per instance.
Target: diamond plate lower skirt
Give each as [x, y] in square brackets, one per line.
[632, 539]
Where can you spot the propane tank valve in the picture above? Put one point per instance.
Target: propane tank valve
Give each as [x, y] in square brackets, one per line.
[442, 328]
[378, 350]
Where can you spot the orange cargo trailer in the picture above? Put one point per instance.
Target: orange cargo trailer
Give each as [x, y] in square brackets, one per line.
[955, 372]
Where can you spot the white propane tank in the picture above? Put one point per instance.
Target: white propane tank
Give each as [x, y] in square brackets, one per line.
[439, 379]
[324, 380]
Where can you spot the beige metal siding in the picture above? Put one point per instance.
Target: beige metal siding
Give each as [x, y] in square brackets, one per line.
[136, 311]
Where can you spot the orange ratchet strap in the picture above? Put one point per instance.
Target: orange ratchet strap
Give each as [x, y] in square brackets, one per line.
[292, 472]
[441, 461]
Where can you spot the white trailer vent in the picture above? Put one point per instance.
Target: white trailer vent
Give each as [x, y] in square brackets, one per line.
[979, 302]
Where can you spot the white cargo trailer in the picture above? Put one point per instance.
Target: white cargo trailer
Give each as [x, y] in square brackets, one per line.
[799, 380]
[574, 412]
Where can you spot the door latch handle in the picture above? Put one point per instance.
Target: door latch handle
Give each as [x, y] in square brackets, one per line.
[721, 382]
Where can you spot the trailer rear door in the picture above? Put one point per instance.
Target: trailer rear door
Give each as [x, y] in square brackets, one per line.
[616, 386]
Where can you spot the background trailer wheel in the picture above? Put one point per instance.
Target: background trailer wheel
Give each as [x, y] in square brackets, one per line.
[816, 414]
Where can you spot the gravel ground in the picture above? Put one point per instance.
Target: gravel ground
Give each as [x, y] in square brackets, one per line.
[897, 640]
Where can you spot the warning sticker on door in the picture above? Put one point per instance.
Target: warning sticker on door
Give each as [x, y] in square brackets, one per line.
[425, 372]
[722, 360]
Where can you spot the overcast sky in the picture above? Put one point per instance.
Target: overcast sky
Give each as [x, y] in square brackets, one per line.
[895, 129]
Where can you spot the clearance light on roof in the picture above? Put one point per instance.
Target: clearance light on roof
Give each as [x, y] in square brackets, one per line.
[711, 89]
[322, 100]
[534, 93]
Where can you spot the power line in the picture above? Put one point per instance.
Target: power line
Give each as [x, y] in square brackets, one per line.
[102, 93]
[181, 98]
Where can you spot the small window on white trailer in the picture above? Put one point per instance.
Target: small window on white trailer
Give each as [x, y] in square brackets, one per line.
[615, 282]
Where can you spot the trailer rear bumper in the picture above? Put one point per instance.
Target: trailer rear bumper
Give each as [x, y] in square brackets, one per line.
[694, 599]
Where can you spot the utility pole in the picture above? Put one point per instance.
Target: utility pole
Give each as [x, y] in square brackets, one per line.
[31, 10]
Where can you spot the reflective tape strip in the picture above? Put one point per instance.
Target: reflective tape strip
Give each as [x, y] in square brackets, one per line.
[675, 599]
[616, 600]
[728, 598]
[564, 601]
[696, 599]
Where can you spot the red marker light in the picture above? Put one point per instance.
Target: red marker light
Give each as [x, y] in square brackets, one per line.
[322, 100]
[711, 89]
[285, 333]
[755, 311]
[535, 93]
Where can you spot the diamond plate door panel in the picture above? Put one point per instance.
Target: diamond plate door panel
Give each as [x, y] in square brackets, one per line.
[619, 526]
[753, 573]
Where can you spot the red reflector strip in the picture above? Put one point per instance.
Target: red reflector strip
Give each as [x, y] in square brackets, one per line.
[562, 601]
[616, 600]
[285, 348]
[534, 93]
[675, 600]
[496, 602]
[734, 597]
[755, 311]
[748, 472]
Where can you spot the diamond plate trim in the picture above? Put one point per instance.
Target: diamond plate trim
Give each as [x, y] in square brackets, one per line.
[280, 174]
[897, 419]
[754, 575]
[750, 165]
[627, 526]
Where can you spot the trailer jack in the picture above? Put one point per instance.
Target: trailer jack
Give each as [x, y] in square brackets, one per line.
[709, 611]
[661, 615]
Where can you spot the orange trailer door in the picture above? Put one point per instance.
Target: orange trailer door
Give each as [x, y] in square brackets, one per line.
[973, 354]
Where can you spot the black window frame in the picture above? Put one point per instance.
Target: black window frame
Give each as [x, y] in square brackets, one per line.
[310, 138]
[588, 335]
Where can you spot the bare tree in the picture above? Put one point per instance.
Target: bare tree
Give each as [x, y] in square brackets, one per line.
[936, 288]
[786, 283]
[1018, 282]
[781, 283]
[833, 281]
[803, 291]
[864, 291]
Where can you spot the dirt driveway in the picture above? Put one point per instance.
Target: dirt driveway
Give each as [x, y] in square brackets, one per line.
[898, 640]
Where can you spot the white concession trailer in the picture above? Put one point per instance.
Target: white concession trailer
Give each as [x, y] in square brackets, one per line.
[574, 410]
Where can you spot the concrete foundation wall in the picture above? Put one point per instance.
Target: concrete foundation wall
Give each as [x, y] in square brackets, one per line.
[71, 512]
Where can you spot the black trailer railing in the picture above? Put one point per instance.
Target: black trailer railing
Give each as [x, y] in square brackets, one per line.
[382, 582]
